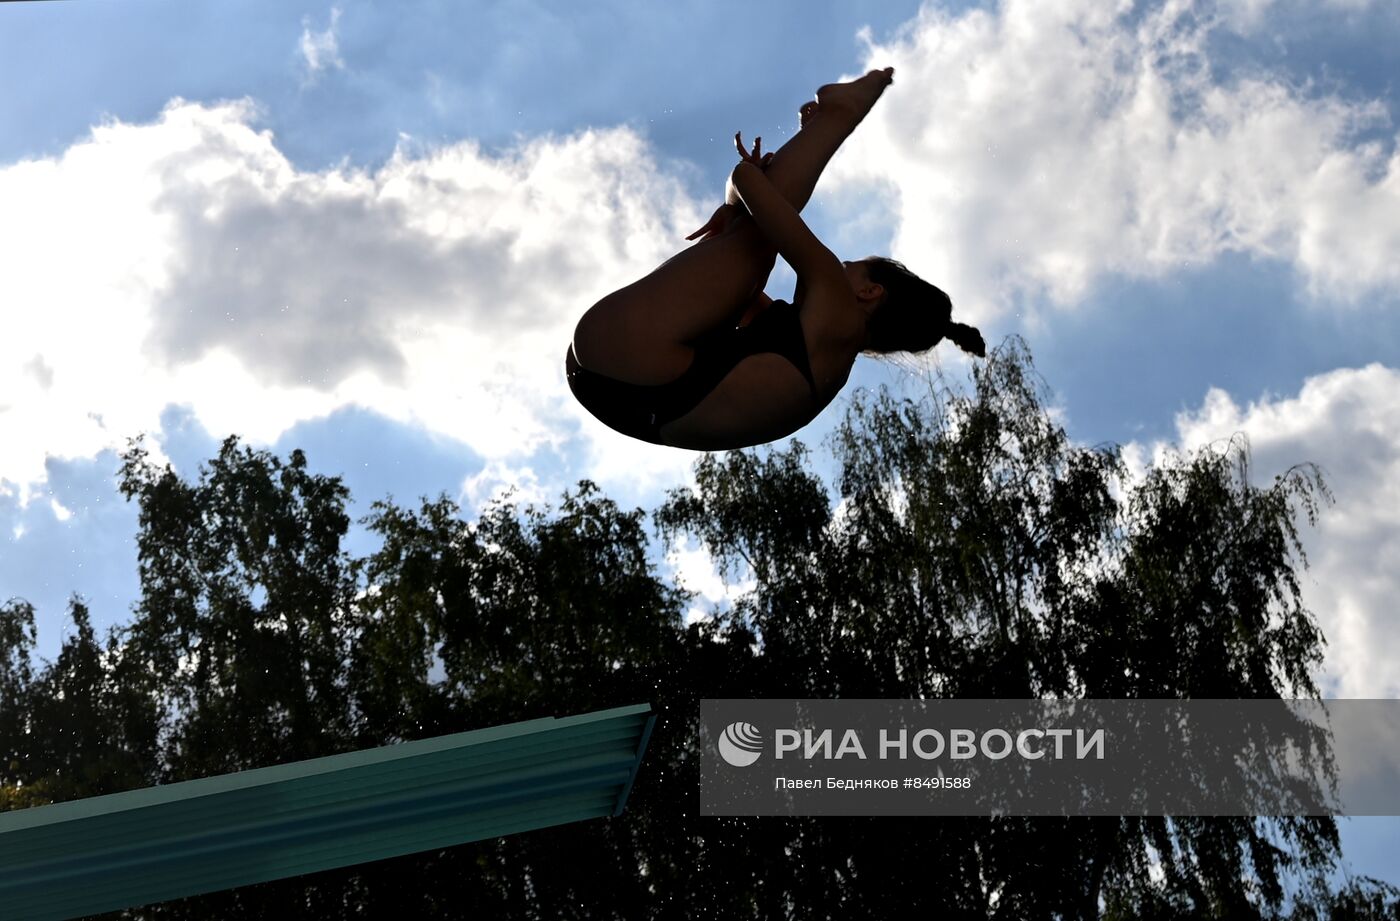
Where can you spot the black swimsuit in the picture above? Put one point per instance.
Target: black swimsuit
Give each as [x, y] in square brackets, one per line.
[641, 410]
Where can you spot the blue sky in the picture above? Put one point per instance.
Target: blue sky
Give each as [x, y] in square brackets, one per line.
[366, 230]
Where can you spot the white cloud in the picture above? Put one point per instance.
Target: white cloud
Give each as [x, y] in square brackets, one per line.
[695, 570]
[321, 50]
[1031, 149]
[1348, 422]
[500, 481]
[1250, 15]
[188, 261]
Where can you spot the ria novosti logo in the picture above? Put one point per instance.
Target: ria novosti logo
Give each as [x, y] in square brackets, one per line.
[740, 744]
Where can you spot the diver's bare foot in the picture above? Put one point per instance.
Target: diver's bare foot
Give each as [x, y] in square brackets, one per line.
[855, 98]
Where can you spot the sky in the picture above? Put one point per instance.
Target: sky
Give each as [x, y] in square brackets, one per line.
[367, 230]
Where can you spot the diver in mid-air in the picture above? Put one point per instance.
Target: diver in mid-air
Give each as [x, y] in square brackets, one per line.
[695, 355]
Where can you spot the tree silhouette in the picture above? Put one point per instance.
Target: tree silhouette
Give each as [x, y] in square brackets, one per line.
[969, 549]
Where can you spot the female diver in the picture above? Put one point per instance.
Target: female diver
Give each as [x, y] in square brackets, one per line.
[695, 355]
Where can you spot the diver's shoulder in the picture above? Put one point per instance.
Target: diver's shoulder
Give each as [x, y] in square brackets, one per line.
[832, 316]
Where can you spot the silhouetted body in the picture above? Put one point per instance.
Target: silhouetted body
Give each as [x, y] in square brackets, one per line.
[695, 355]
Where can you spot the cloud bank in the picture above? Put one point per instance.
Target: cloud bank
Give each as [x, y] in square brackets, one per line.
[1348, 422]
[187, 261]
[1028, 150]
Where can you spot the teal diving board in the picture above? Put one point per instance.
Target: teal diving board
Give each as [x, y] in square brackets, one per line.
[126, 849]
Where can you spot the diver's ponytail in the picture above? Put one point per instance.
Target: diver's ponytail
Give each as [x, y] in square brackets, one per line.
[967, 338]
[914, 315]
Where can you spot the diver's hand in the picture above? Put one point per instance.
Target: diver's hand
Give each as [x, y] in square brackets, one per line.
[757, 158]
[717, 222]
[733, 208]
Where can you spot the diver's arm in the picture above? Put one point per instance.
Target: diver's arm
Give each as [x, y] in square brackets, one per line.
[733, 207]
[783, 227]
[731, 194]
[757, 158]
[733, 203]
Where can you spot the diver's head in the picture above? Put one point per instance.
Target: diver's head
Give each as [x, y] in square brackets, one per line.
[906, 313]
[869, 293]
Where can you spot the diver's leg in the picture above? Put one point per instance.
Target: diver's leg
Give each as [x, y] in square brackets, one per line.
[639, 333]
[798, 164]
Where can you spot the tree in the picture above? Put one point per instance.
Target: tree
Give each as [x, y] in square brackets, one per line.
[973, 551]
[528, 615]
[243, 590]
[16, 686]
[970, 549]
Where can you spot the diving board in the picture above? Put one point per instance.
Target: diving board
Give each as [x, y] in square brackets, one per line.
[141, 846]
